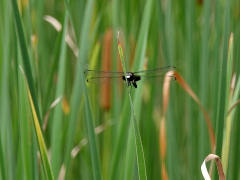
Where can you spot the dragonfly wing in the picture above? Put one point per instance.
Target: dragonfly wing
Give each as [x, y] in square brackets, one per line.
[106, 80]
[102, 73]
[157, 71]
[156, 79]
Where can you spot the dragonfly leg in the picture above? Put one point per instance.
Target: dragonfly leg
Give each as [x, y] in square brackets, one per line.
[128, 83]
[134, 84]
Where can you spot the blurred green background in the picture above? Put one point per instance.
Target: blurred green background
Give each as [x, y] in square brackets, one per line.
[192, 35]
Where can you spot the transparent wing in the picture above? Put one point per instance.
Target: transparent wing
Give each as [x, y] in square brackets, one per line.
[156, 79]
[157, 71]
[103, 73]
[106, 80]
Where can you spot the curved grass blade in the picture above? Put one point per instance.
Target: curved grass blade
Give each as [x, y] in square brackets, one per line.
[185, 86]
[219, 167]
[162, 132]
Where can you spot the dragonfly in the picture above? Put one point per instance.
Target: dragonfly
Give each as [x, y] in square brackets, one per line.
[113, 77]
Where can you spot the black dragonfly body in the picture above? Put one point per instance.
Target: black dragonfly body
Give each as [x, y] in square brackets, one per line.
[111, 77]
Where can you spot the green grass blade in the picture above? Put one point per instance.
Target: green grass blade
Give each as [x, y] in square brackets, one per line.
[228, 125]
[24, 127]
[66, 2]
[139, 62]
[2, 162]
[138, 142]
[203, 149]
[233, 162]
[116, 101]
[216, 55]
[6, 131]
[91, 134]
[190, 51]
[42, 147]
[25, 55]
[222, 111]
[139, 148]
[141, 46]
[172, 159]
[56, 53]
[124, 123]
[58, 114]
[120, 141]
[78, 88]
[222, 94]
[234, 98]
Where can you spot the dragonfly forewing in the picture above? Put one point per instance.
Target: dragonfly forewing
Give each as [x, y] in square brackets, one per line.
[156, 79]
[106, 80]
[157, 71]
[103, 73]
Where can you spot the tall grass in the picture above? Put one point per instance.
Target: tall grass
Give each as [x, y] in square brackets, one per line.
[92, 141]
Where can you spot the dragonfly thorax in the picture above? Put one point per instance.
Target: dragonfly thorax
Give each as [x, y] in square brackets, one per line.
[131, 79]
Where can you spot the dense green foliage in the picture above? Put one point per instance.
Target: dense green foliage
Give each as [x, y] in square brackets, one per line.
[89, 132]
